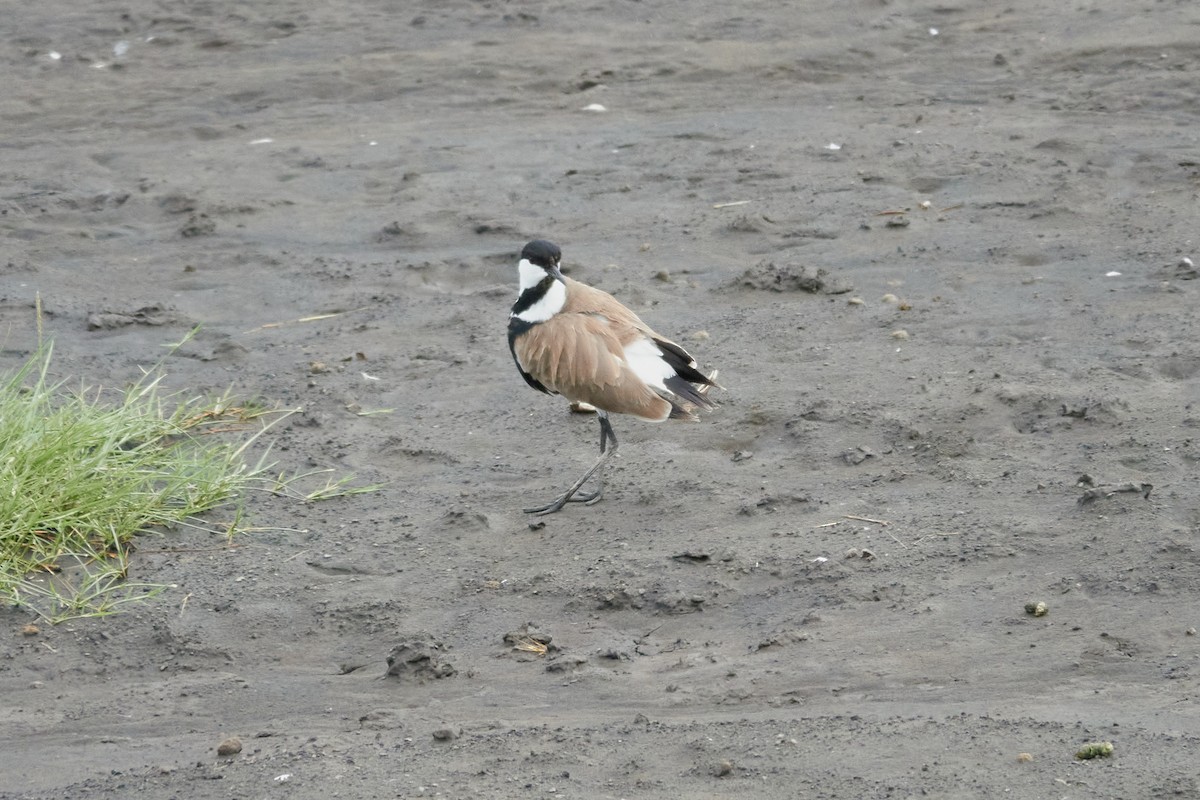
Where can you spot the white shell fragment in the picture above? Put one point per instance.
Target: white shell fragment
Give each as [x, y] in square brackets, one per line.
[833, 146]
[262, 141]
[1113, 274]
[55, 55]
[594, 107]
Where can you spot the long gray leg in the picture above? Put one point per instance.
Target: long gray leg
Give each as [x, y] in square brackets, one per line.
[571, 495]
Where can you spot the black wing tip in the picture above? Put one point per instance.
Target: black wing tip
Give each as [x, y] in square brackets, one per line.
[689, 396]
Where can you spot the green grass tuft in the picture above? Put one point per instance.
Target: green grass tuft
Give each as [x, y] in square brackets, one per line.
[81, 475]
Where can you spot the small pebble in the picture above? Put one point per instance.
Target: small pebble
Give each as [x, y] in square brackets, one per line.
[901, 334]
[723, 769]
[230, 747]
[30, 630]
[890, 298]
[855, 301]
[1095, 750]
[1037, 609]
[445, 734]
[1024, 757]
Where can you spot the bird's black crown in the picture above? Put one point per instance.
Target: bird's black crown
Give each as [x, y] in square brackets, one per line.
[542, 253]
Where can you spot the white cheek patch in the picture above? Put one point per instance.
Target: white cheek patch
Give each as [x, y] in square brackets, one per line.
[646, 361]
[550, 304]
[531, 275]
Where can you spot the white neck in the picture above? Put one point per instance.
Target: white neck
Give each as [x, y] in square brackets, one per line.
[550, 304]
[531, 275]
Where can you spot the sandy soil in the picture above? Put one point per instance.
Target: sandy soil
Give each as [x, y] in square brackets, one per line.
[723, 623]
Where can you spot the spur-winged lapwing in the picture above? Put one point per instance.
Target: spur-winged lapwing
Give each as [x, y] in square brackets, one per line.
[570, 339]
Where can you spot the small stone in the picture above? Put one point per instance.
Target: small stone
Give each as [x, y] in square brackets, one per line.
[901, 335]
[722, 769]
[317, 367]
[1190, 631]
[445, 734]
[1037, 609]
[855, 301]
[230, 747]
[1095, 750]
[30, 630]
[663, 275]
[1024, 758]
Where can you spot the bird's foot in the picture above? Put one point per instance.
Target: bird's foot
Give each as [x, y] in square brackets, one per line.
[575, 496]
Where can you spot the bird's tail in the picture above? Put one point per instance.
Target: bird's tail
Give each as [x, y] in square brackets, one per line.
[690, 396]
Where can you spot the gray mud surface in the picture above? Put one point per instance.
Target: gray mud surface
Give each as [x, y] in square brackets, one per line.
[734, 618]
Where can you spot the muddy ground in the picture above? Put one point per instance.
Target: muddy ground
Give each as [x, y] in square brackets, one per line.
[939, 253]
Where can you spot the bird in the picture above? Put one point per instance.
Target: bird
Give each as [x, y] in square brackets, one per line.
[571, 339]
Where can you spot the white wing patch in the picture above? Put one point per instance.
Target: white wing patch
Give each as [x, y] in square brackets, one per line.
[646, 361]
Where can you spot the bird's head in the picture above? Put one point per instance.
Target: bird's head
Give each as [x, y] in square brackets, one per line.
[544, 254]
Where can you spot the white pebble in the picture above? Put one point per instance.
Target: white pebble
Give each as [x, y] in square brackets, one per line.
[594, 107]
